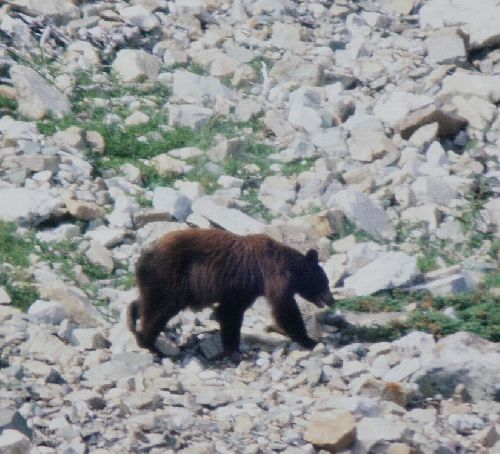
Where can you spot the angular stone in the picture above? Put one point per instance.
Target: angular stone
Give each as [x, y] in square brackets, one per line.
[475, 84]
[461, 358]
[86, 211]
[136, 65]
[12, 419]
[14, 442]
[136, 118]
[4, 296]
[60, 11]
[368, 145]
[27, 205]
[398, 105]
[211, 347]
[403, 7]
[278, 193]
[166, 165]
[88, 338]
[139, 16]
[106, 236]
[305, 110]
[173, 202]
[482, 25]
[478, 112]
[446, 47]
[228, 218]
[193, 117]
[449, 123]
[13, 130]
[196, 89]
[390, 270]
[334, 431]
[99, 255]
[287, 36]
[36, 97]
[360, 209]
[371, 430]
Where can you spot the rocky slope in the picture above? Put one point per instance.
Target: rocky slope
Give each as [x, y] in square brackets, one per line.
[370, 131]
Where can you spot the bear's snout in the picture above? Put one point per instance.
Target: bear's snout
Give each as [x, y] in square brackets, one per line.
[325, 299]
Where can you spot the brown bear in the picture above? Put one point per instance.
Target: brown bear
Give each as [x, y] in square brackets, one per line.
[198, 267]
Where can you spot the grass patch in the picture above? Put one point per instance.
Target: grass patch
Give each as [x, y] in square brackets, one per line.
[477, 312]
[7, 103]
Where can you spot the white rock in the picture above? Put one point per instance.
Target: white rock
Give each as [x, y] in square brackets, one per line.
[60, 11]
[139, 16]
[467, 83]
[99, 255]
[27, 205]
[228, 218]
[446, 46]
[173, 202]
[403, 370]
[398, 105]
[136, 65]
[278, 193]
[15, 130]
[136, 118]
[14, 442]
[166, 165]
[4, 296]
[51, 312]
[390, 270]
[106, 236]
[305, 110]
[193, 88]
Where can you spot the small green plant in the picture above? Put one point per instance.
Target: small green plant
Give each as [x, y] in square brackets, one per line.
[7, 103]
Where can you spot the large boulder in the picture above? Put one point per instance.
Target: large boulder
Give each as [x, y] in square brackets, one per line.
[133, 65]
[27, 205]
[36, 97]
[461, 358]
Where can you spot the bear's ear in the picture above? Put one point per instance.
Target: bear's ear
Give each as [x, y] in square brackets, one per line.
[312, 256]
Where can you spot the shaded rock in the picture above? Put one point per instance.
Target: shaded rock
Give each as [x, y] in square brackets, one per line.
[86, 211]
[14, 442]
[4, 296]
[461, 358]
[333, 431]
[360, 209]
[173, 202]
[36, 97]
[12, 419]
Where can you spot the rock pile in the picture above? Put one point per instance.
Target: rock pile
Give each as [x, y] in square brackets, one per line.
[368, 131]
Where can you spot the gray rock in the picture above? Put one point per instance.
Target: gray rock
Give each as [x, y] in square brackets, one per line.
[446, 46]
[368, 145]
[278, 193]
[228, 218]
[14, 442]
[467, 83]
[27, 205]
[36, 97]
[305, 110]
[390, 270]
[193, 117]
[106, 236]
[211, 347]
[196, 89]
[60, 11]
[51, 312]
[360, 209]
[88, 338]
[11, 419]
[173, 202]
[13, 130]
[4, 296]
[99, 255]
[461, 358]
[136, 65]
[139, 16]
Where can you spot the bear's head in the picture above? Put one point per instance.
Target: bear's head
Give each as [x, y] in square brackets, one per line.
[311, 282]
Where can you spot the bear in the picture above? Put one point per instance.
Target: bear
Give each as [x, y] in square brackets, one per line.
[196, 268]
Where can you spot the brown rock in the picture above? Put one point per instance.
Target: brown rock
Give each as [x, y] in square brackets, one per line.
[332, 432]
[86, 211]
[449, 123]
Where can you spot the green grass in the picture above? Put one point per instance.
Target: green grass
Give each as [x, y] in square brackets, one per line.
[477, 312]
[7, 103]
[14, 259]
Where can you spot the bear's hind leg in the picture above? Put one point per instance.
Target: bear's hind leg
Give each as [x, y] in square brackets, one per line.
[289, 319]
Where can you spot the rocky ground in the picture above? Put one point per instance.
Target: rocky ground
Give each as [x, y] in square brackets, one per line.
[367, 130]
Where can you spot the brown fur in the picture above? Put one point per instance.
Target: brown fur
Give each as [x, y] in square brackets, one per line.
[198, 267]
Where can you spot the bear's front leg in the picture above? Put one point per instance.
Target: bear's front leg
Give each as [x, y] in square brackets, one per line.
[287, 315]
[230, 319]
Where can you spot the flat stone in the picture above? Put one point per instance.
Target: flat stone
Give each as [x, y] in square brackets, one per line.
[106, 236]
[12, 419]
[99, 255]
[166, 165]
[333, 431]
[446, 47]
[139, 16]
[228, 218]
[368, 145]
[196, 89]
[389, 270]
[60, 11]
[27, 205]
[475, 84]
[86, 211]
[35, 96]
